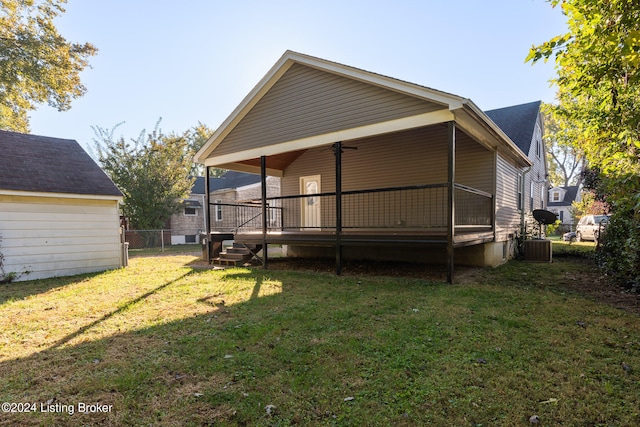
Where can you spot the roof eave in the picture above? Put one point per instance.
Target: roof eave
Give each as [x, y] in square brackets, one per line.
[477, 123]
[448, 101]
[25, 193]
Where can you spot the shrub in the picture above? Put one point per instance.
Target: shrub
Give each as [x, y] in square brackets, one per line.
[619, 252]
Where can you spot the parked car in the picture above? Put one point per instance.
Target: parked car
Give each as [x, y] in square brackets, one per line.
[590, 227]
[569, 237]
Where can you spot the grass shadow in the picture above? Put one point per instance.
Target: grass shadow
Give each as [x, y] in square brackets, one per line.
[118, 310]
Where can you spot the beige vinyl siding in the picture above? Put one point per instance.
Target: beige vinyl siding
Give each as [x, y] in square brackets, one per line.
[414, 157]
[307, 102]
[507, 213]
[58, 236]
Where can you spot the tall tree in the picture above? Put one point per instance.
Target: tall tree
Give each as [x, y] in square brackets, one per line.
[152, 171]
[565, 158]
[196, 138]
[37, 64]
[598, 79]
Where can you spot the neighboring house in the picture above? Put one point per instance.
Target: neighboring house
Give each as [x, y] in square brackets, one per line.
[560, 201]
[523, 124]
[59, 212]
[226, 193]
[373, 167]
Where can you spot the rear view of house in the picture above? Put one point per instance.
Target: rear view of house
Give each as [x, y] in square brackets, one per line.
[59, 212]
[373, 167]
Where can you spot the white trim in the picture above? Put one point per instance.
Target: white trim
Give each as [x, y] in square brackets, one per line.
[240, 167]
[411, 122]
[59, 195]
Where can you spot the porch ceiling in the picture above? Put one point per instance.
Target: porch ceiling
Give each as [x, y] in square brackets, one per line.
[277, 163]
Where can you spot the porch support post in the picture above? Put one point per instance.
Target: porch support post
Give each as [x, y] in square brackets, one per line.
[337, 150]
[207, 212]
[263, 178]
[451, 204]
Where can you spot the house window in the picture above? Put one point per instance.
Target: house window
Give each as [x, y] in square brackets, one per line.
[189, 211]
[556, 196]
[531, 195]
[190, 238]
[218, 204]
[519, 191]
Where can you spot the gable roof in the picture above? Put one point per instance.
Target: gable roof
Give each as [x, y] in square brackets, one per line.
[518, 122]
[230, 180]
[43, 164]
[241, 153]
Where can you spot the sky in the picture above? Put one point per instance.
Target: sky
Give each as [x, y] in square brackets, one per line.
[192, 61]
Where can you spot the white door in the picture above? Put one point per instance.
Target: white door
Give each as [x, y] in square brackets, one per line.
[310, 206]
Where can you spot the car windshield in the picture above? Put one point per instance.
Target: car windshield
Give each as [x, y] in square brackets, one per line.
[601, 218]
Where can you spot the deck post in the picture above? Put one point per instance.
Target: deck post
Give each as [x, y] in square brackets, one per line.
[337, 151]
[207, 212]
[263, 178]
[451, 205]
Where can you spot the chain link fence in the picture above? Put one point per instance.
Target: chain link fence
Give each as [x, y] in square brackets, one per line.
[164, 240]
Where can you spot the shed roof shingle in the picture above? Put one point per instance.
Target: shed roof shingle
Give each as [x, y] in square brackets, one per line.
[50, 165]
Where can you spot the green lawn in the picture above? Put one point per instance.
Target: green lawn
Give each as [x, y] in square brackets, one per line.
[161, 343]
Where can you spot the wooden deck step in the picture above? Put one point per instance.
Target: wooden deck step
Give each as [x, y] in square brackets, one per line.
[237, 255]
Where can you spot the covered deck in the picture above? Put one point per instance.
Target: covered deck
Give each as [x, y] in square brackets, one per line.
[411, 215]
[424, 172]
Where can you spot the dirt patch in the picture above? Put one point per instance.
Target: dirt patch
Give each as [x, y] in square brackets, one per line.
[591, 283]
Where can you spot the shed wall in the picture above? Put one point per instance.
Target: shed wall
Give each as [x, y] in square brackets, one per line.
[57, 236]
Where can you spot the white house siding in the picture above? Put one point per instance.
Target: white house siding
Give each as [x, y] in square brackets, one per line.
[507, 212]
[57, 236]
[536, 178]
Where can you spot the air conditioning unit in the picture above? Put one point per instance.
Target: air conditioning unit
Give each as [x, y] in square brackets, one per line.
[537, 250]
